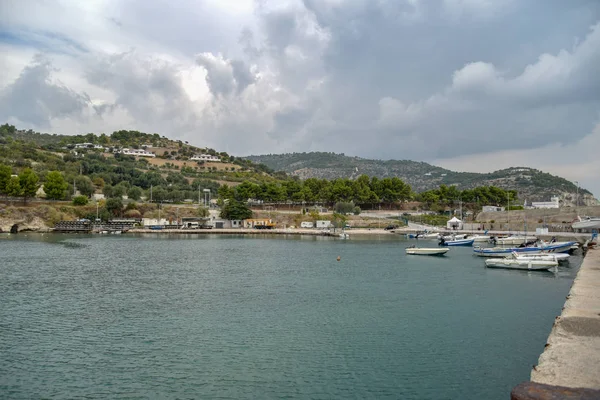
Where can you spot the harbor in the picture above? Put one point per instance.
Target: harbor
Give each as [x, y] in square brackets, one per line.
[569, 367]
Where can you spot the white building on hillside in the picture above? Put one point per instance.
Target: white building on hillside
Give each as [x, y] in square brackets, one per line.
[205, 157]
[135, 152]
[553, 203]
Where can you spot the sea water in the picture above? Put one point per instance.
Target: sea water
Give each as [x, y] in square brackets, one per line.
[257, 317]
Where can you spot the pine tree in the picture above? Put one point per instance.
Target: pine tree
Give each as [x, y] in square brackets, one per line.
[55, 186]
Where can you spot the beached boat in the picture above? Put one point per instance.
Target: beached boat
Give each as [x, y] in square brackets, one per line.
[425, 251]
[517, 263]
[456, 242]
[513, 240]
[586, 223]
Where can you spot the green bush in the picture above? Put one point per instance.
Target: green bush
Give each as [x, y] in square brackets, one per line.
[80, 200]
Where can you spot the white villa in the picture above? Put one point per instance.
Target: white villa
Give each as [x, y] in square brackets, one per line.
[88, 146]
[205, 157]
[135, 152]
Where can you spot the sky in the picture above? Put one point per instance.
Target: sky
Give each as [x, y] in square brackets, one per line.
[470, 85]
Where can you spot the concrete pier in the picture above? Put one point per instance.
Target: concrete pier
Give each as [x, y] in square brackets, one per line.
[569, 367]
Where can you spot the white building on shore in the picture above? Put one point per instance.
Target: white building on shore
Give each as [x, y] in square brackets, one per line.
[553, 203]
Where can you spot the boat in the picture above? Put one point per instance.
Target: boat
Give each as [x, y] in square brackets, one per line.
[457, 242]
[344, 235]
[454, 236]
[512, 240]
[560, 247]
[586, 223]
[427, 251]
[481, 238]
[541, 256]
[525, 264]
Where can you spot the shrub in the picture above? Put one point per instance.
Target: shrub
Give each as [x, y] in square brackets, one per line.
[80, 200]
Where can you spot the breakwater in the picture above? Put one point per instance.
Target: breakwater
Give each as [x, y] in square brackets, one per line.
[569, 367]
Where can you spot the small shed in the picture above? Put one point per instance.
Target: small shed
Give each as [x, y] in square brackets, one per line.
[454, 224]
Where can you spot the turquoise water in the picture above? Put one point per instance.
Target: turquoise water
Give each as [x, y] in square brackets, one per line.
[251, 317]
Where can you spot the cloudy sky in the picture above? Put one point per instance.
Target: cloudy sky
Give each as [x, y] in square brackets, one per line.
[472, 85]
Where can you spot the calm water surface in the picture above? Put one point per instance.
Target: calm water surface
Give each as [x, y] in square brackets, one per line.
[248, 317]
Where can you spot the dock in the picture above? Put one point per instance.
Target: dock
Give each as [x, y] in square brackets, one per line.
[569, 367]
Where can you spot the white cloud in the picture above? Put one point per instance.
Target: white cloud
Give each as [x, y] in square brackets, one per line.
[385, 79]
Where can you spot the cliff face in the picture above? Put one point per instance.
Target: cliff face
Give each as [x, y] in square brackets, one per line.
[29, 223]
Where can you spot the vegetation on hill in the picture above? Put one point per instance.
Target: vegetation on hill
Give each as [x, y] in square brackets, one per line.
[531, 184]
[30, 161]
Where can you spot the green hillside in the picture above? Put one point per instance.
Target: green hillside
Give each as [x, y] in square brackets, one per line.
[531, 184]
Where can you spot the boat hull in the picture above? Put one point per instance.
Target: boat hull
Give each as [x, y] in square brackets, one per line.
[592, 223]
[528, 265]
[513, 240]
[460, 242]
[416, 251]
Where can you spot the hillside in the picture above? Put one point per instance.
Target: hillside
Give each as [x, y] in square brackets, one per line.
[531, 184]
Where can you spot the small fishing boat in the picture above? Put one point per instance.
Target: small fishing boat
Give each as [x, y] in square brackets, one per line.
[560, 247]
[541, 256]
[426, 251]
[512, 240]
[481, 238]
[457, 242]
[454, 236]
[523, 264]
[344, 235]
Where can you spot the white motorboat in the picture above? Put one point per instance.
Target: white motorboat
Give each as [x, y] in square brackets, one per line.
[457, 242]
[586, 223]
[344, 235]
[454, 237]
[541, 256]
[427, 251]
[481, 238]
[512, 240]
[524, 264]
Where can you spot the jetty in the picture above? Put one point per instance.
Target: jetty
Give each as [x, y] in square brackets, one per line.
[569, 367]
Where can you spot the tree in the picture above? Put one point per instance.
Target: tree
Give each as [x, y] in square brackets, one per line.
[344, 208]
[29, 182]
[134, 193]
[85, 185]
[80, 200]
[235, 210]
[5, 173]
[55, 186]
[13, 187]
[203, 212]
[114, 206]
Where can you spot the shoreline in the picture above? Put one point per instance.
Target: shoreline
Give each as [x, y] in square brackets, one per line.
[569, 366]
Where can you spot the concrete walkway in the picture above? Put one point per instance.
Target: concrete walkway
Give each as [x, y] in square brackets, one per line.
[571, 358]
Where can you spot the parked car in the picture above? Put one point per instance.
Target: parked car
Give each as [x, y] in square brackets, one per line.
[390, 227]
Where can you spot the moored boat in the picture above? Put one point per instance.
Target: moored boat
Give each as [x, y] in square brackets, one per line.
[456, 242]
[541, 256]
[524, 264]
[426, 251]
[512, 240]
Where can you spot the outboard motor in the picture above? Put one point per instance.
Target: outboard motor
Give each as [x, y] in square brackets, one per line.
[442, 242]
